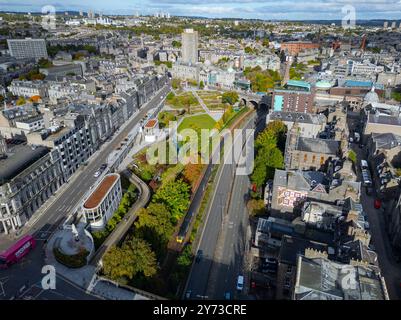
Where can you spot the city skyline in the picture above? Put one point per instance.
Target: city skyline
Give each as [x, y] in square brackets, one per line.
[265, 10]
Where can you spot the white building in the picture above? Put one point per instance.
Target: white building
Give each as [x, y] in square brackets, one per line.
[101, 204]
[28, 88]
[31, 124]
[27, 48]
[185, 71]
[190, 46]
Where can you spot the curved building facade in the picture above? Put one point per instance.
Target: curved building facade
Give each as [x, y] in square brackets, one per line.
[99, 207]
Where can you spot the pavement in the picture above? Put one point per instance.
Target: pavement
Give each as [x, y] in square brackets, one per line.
[223, 237]
[29, 269]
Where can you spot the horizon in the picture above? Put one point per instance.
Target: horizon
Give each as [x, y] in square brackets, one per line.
[202, 17]
[292, 10]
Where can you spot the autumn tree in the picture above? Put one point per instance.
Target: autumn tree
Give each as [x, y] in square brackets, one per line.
[135, 256]
[230, 97]
[192, 172]
[155, 225]
[175, 196]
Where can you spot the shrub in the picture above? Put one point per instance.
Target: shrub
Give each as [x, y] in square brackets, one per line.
[72, 261]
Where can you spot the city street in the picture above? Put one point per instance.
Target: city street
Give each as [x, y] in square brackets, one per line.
[29, 269]
[224, 236]
[391, 270]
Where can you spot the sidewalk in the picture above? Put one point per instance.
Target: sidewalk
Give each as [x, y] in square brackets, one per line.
[86, 279]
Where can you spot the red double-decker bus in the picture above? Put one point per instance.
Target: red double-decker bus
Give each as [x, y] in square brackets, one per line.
[17, 251]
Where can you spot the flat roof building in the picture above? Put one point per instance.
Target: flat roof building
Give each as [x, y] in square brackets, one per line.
[101, 204]
[27, 48]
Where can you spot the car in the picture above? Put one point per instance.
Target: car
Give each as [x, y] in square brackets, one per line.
[270, 261]
[240, 283]
[199, 255]
[103, 166]
[269, 269]
[97, 174]
[188, 294]
[227, 295]
[377, 204]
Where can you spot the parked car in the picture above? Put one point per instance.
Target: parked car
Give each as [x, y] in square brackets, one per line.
[240, 283]
[227, 295]
[270, 261]
[97, 174]
[103, 166]
[199, 256]
[188, 294]
[377, 204]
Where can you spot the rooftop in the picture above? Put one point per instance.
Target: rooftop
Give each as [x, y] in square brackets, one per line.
[101, 191]
[151, 123]
[318, 145]
[19, 158]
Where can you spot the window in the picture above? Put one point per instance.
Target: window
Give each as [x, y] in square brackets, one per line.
[305, 157]
[313, 159]
[321, 160]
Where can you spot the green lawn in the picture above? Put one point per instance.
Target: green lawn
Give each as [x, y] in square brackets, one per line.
[203, 121]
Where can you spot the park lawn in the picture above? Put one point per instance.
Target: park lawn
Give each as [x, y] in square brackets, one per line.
[203, 121]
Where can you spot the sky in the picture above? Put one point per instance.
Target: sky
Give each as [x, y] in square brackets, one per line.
[248, 9]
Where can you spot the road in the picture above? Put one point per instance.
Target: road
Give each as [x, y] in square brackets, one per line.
[29, 269]
[202, 281]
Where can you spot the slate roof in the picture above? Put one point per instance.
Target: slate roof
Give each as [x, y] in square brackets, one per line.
[318, 145]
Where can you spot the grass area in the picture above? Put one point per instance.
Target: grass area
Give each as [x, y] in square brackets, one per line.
[184, 100]
[212, 99]
[203, 121]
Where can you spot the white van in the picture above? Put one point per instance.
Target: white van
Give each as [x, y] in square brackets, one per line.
[240, 283]
[364, 164]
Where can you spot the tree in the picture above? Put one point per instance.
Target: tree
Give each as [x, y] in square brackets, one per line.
[135, 256]
[21, 101]
[201, 85]
[352, 156]
[44, 63]
[266, 43]
[176, 83]
[249, 50]
[192, 173]
[175, 196]
[230, 97]
[176, 44]
[256, 207]
[155, 225]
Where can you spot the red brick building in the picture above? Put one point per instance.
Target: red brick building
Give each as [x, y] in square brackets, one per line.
[293, 48]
